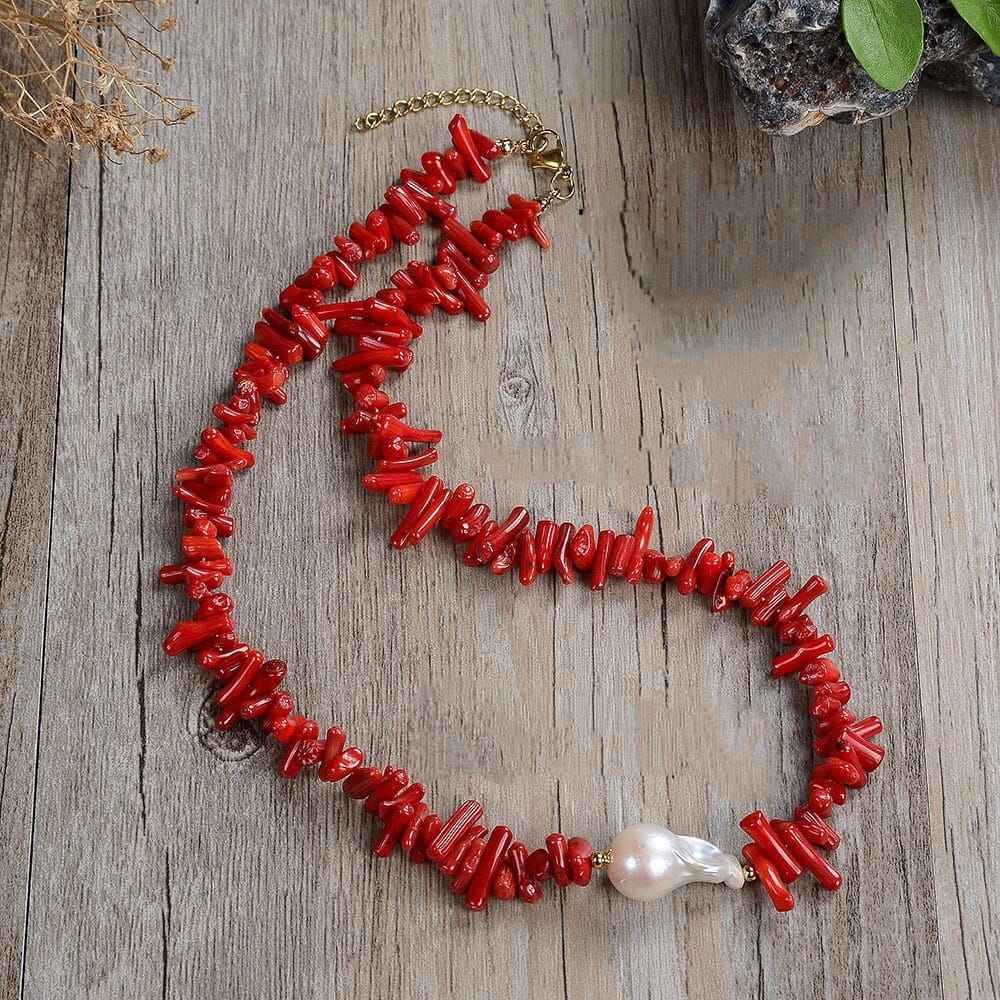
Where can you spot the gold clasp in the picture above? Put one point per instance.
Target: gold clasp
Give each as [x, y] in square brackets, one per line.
[542, 147]
[546, 152]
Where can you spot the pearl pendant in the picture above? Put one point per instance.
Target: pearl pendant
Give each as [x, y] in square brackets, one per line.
[648, 861]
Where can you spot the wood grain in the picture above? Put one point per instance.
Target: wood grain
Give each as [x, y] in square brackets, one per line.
[33, 195]
[784, 343]
[946, 303]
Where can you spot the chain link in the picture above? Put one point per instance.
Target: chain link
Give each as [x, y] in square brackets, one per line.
[538, 140]
[528, 120]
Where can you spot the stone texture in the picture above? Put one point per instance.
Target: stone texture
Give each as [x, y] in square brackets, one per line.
[791, 65]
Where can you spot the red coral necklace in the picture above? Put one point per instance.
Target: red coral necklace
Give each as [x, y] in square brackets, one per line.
[644, 861]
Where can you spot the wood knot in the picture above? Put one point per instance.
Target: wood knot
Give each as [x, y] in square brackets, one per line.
[238, 743]
[517, 388]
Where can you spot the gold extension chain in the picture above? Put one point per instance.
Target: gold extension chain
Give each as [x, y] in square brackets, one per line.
[542, 146]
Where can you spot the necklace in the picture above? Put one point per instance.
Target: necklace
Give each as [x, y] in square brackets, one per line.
[643, 861]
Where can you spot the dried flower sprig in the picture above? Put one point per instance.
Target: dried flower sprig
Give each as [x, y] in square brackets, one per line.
[75, 72]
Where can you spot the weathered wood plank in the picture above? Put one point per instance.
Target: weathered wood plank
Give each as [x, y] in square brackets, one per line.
[33, 195]
[945, 249]
[715, 332]
[743, 288]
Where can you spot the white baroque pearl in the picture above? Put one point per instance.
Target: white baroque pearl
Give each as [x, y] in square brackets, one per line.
[648, 861]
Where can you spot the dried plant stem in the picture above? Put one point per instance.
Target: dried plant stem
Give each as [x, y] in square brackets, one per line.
[61, 82]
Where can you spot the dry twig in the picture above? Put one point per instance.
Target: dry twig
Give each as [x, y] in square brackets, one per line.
[75, 72]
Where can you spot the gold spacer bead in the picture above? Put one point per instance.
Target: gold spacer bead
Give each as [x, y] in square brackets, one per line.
[749, 874]
[600, 859]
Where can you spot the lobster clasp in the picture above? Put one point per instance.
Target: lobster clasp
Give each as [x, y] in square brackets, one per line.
[547, 152]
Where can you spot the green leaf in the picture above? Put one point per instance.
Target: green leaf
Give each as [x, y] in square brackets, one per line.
[983, 16]
[887, 36]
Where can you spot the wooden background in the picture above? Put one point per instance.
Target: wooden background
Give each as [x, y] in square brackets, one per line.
[789, 343]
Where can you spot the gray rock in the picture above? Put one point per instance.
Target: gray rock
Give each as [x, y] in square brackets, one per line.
[792, 67]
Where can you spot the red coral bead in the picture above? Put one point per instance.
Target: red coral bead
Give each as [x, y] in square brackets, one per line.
[428, 830]
[187, 635]
[475, 305]
[281, 346]
[545, 543]
[486, 146]
[579, 853]
[821, 671]
[539, 865]
[392, 832]
[461, 500]
[428, 201]
[281, 705]
[430, 182]
[410, 464]
[465, 144]
[467, 868]
[411, 835]
[527, 560]
[486, 235]
[818, 866]
[382, 482]
[797, 631]
[225, 450]
[528, 890]
[349, 251]
[869, 754]
[760, 589]
[429, 517]
[451, 862]
[642, 533]
[413, 794]
[526, 211]
[840, 772]
[394, 780]
[287, 728]
[371, 244]
[229, 695]
[468, 526]
[555, 843]
[817, 831]
[820, 799]
[478, 893]
[465, 816]
[291, 762]
[769, 878]
[583, 548]
[561, 560]
[653, 567]
[507, 531]
[433, 164]
[687, 579]
[813, 588]
[505, 224]
[449, 253]
[504, 561]
[483, 257]
[764, 612]
[795, 659]
[504, 887]
[602, 555]
[621, 555]
[429, 493]
[303, 296]
[361, 781]
[757, 827]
